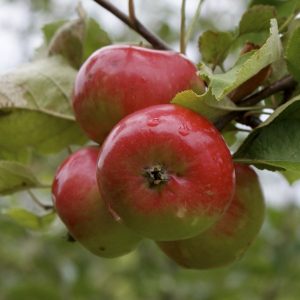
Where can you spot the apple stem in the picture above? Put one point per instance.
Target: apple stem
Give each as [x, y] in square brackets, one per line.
[38, 202]
[156, 175]
[137, 26]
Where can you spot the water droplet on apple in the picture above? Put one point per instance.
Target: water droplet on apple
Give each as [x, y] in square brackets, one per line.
[184, 131]
[153, 122]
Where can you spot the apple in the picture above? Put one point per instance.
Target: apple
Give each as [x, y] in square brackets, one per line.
[80, 207]
[167, 172]
[227, 240]
[118, 80]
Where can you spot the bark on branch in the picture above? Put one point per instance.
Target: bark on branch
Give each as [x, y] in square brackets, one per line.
[137, 26]
[285, 83]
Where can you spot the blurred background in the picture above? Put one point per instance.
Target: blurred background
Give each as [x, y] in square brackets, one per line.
[42, 264]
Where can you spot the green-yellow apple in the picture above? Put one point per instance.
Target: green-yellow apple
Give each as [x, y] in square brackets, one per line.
[82, 210]
[227, 240]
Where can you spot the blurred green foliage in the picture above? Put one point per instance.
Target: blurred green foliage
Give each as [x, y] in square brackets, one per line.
[45, 265]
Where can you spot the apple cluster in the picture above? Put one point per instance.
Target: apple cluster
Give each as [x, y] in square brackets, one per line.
[158, 171]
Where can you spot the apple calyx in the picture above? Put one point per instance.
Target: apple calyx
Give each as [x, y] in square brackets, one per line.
[156, 175]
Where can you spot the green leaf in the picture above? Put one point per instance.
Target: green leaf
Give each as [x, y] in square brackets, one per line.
[206, 104]
[254, 25]
[257, 38]
[77, 39]
[67, 42]
[214, 46]
[201, 104]
[284, 8]
[95, 37]
[248, 65]
[291, 176]
[45, 84]
[46, 133]
[256, 19]
[50, 29]
[15, 177]
[292, 51]
[275, 143]
[18, 155]
[35, 107]
[28, 219]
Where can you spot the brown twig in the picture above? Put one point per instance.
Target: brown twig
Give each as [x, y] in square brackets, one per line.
[38, 202]
[70, 238]
[182, 28]
[137, 26]
[283, 84]
[249, 120]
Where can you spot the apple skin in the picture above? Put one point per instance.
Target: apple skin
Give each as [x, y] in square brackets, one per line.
[118, 80]
[167, 172]
[78, 203]
[227, 240]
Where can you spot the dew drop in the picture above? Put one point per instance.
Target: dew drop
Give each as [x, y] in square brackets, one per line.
[183, 131]
[153, 122]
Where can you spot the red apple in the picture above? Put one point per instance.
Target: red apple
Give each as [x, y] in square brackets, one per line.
[227, 240]
[118, 80]
[167, 172]
[80, 207]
